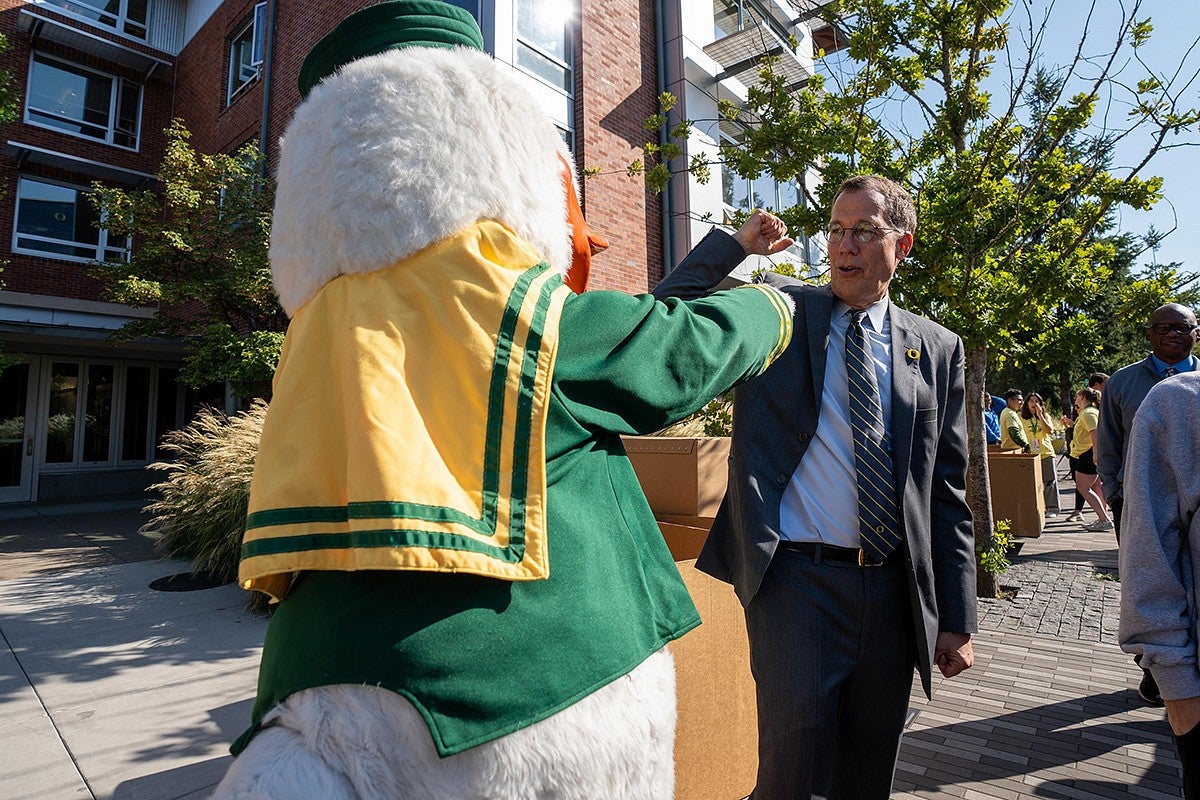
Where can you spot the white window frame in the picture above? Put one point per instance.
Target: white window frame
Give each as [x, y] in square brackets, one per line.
[77, 463]
[256, 27]
[119, 23]
[101, 240]
[113, 104]
[569, 65]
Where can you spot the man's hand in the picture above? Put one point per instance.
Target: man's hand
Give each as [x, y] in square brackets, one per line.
[1183, 714]
[763, 234]
[952, 653]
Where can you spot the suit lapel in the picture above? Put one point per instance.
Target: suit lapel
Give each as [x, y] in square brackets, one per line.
[818, 308]
[907, 352]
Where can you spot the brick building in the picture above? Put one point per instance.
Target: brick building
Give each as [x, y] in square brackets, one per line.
[99, 80]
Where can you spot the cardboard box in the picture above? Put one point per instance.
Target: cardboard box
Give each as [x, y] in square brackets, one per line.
[683, 519]
[684, 541]
[681, 475]
[716, 737]
[1016, 484]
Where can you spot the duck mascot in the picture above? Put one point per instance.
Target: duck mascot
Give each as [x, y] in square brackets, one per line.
[474, 599]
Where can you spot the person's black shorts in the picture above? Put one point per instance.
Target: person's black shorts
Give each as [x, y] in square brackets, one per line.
[1085, 463]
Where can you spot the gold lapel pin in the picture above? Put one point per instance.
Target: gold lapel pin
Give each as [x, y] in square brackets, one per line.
[913, 354]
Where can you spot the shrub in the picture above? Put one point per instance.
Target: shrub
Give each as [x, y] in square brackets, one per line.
[201, 513]
[994, 559]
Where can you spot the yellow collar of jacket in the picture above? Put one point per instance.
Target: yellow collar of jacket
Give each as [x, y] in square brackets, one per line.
[407, 427]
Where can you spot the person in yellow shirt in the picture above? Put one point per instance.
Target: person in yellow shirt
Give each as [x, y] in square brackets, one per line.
[1039, 430]
[1012, 432]
[1083, 459]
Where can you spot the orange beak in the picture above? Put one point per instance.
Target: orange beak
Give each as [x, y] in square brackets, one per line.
[584, 243]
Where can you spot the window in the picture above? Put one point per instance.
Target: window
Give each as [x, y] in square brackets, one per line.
[742, 194]
[58, 221]
[125, 16]
[104, 413]
[543, 46]
[65, 435]
[83, 102]
[246, 52]
[139, 393]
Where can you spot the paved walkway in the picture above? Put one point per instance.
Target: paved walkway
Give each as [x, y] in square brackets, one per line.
[109, 689]
[1050, 709]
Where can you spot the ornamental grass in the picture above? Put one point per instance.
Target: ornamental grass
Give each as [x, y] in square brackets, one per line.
[201, 513]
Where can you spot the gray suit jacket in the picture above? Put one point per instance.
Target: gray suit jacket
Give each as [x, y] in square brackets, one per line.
[775, 418]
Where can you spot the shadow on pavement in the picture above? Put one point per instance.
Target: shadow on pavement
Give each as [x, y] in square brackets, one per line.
[84, 627]
[1043, 739]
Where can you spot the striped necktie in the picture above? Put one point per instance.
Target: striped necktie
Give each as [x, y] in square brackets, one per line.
[878, 519]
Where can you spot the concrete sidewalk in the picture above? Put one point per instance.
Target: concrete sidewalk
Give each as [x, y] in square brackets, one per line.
[109, 689]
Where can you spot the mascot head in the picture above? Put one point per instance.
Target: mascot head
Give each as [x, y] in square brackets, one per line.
[408, 133]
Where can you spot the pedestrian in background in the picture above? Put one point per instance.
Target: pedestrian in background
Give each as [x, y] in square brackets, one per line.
[1012, 432]
[1171, 331]
[1039, 430]
[1083, 457]
[992, 406]
[1095, 382]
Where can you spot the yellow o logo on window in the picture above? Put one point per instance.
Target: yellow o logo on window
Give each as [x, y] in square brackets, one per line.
[60, 216]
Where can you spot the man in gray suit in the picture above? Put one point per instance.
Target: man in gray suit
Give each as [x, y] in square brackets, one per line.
[845, 589]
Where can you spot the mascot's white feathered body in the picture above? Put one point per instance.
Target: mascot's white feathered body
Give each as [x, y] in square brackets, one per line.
[474, 596]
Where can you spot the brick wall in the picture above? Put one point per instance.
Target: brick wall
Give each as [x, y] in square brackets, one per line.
[217, 126]
[616, 90]
[295, 35]
[38, 275]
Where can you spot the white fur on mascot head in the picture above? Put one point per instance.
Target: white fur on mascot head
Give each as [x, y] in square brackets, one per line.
[374, 168]
[378, 178]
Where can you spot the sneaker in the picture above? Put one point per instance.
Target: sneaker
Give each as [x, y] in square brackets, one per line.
[1148, 689]
[1051, 514]
[1076, 516]
[1099, 525]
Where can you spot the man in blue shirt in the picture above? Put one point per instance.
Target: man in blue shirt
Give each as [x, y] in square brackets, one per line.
[1172, 333]
[992, 406]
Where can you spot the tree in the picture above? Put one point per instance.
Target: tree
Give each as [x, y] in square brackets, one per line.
[1056, 361]
[1011, 176]
[199, 255]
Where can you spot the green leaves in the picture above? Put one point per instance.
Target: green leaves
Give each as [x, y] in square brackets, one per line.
[994, 557]
[200, 256]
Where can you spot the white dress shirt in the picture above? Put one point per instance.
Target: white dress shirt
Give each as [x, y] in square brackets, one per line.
[820, 504]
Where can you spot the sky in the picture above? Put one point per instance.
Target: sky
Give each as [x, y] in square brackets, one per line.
[1175, 30]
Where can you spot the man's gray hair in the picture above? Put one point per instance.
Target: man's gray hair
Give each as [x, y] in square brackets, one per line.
[899, 210]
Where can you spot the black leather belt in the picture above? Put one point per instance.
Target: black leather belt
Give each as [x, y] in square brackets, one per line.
[828, 552]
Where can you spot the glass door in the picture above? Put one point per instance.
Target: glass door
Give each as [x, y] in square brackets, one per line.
[17, 385]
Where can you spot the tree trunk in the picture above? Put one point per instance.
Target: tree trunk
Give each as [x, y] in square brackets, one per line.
[1066, 394]
[979, 496]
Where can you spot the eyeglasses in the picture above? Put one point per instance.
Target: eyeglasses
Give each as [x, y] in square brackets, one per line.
[861, 232]
[1163, 328]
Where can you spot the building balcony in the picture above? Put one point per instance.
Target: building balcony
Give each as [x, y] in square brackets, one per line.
[741, 54]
